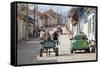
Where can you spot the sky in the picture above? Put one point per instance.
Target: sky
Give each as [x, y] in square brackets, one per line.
[60, 9]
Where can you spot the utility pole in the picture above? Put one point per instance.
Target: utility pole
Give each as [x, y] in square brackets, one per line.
[61, 18]
[34, 17]
[57, 17]
[34, 24]
[27, 23]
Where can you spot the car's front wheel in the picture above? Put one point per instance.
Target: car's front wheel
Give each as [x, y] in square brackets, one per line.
[87, 50]
[71, 51]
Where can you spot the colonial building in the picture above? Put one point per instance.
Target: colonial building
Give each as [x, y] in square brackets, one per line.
[30, 20]
[90, 23]
[73, 21]
[47, 18]
[23, 22]
[50, 18]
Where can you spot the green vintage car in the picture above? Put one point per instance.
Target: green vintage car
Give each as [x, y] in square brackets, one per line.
[79, 42]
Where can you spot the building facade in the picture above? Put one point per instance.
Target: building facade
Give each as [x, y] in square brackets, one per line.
[50, 18]
[90, 23]
[84, 22]
[73, 21]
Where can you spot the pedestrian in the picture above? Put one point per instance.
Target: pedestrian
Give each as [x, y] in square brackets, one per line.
[42, 34]
[59, 30]
[33, 32]
[55, 36]
[37, 31]
[30, 31]
[93, 46]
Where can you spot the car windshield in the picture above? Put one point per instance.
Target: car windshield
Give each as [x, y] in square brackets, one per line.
[80, 37]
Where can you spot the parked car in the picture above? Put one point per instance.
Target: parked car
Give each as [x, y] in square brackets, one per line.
[80, 42]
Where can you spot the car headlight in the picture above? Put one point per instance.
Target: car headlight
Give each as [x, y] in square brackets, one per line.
[73, 42]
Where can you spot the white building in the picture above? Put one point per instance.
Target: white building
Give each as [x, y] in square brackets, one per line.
[90, 23]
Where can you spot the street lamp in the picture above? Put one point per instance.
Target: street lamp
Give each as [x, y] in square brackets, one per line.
[34, 24]
[27, 38]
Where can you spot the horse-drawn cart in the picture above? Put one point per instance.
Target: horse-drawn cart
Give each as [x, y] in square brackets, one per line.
[47, 46]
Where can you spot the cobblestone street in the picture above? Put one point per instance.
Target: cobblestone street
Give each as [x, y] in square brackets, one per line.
[28, 53]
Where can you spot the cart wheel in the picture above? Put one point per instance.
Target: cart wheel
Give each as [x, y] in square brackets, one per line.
[56, 51]
[41, 51]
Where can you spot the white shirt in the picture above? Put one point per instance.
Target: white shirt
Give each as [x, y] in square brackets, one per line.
[42, 34]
